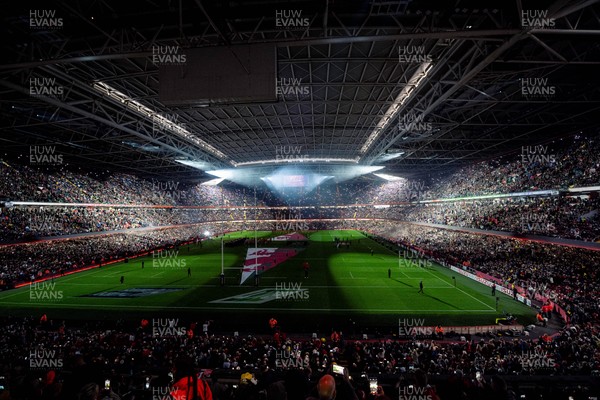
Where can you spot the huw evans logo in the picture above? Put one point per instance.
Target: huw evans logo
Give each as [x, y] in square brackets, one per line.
[290, 359]
[536, 19]
[162, 327]
[291, 225]
[410, 327]
[537, 87]
[167, 122]
[45, 359]
[168, 191]
[414, 259]
[536, 154]
[414, 191]
[291, 87]
[45, 87]
[164, 186]
[44, 19]
[164, 393]
[168, 55]
[414, 393]
[413, 54]
[535, 222]
[414, 123]
[42, 221]
[167, 259]
[44, 155]
[292, 291]
[42, 292]
[537, 359]
[290, 20]
[290, 153]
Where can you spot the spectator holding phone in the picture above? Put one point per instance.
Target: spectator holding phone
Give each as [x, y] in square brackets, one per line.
[338, 387]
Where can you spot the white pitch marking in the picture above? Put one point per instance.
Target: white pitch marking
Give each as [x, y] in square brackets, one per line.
[474, 298]
[62, 304]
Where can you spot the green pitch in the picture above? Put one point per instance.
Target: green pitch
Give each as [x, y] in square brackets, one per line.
[347, 285]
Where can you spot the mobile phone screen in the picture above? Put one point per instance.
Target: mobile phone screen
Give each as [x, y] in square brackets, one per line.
[338, 369]
[373, 386]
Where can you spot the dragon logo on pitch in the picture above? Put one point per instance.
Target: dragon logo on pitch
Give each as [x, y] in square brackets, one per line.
[167, 258]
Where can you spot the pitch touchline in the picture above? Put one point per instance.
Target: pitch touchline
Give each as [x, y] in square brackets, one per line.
[435, 276]
[263, 287]
[487, 305]
[360, 310]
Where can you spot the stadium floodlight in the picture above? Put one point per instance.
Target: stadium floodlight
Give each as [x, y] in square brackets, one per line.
[297, 161]
[223, 173]
[584, 189]
[206, 233]
[411, 86]
[156, 118]
[213, 182]
[242, 176]
[390, 178]
[532, 193]
[201, 165]
[353, 171]
[389, 156]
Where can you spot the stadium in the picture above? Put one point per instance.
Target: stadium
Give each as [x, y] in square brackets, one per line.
[300, 199]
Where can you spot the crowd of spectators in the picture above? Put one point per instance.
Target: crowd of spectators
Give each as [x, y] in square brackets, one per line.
[24, 183]
[572, 164]
[573, 217]
[25, 262]
[567, 275]
[566, 217]
[560, 165]
[37, 260]
[51, 360]
[25, 223]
